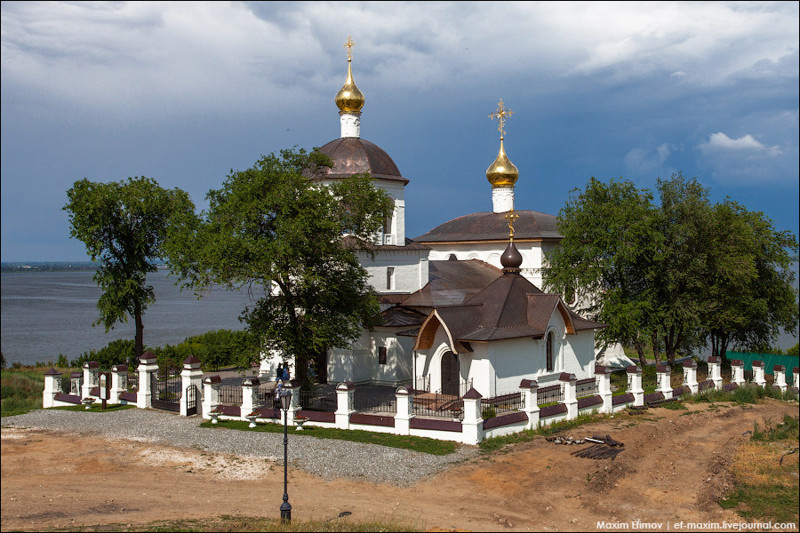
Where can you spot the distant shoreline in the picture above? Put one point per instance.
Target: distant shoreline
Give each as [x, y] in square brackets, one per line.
[50, 266]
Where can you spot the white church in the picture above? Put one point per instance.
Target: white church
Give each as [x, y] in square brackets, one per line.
[461, 305]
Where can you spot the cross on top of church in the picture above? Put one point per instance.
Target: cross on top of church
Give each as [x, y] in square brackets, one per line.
[349, 45]
[512, 217]
[501, 114]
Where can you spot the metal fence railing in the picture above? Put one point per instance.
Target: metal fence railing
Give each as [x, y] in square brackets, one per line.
[369, 401]
[316, 401]
[230, 395]
[585, 387]
[505, 403]
[439, 405]
[550, 394]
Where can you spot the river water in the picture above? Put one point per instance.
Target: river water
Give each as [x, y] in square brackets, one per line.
[45, 314]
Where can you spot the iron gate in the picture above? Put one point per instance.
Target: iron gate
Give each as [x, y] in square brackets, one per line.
[191, 400]
[166, 386]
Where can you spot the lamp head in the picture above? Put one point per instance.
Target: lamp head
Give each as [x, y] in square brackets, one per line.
[286, 399]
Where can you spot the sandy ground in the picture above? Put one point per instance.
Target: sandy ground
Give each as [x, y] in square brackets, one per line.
[674, 468]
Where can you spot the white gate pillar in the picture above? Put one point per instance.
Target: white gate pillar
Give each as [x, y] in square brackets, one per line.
[52, 386]
[211, 385]
[191, 375]
[250, 398]
[119, 383]
[405, 411]
[344, 404]
[147, 366]
[796, 377]
[91, 374]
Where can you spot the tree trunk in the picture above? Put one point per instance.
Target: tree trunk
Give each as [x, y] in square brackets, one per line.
[640, 350]
[139, 342]
[656, 349]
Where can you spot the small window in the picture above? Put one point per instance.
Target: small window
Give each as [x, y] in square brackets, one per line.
[550, 352]
[389, 278]
[382, 355]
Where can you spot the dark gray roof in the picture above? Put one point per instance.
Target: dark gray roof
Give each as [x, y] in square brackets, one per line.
[452, 282]
[487, 226]
[353, 155]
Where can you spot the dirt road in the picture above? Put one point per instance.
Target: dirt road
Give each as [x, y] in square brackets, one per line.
[673, 469]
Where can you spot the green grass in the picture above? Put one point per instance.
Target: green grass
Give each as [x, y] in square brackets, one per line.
[21, 391]
[407, 442]
[771, 502]
[789, 428]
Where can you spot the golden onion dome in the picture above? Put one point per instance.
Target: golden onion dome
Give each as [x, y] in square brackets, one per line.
[349, 99]
[502, 173]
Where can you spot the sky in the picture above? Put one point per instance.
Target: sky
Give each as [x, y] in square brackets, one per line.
[186, 92]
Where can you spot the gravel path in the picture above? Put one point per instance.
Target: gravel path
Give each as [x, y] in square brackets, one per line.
[322, 457]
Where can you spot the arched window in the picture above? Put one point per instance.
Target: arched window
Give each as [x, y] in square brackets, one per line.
[550, 358]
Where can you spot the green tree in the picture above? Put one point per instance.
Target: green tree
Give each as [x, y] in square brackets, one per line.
[677, 274]
[607, 256]
[124, 226]
[280, 235]
[748, 296]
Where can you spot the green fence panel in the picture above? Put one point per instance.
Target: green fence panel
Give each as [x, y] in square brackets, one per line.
[770, 360]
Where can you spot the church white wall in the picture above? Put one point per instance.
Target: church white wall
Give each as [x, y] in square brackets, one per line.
[490, 252]
[396, 190]
[409, 275]
[361, 361]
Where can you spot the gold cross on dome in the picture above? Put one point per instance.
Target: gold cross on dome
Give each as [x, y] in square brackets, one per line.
[512, 217]
[501, 114]
[349, 45]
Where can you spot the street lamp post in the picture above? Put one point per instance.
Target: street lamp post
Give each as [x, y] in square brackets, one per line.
[286, 508]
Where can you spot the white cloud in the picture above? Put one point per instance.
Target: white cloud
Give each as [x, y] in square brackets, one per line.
[746, 144]
[231, 55]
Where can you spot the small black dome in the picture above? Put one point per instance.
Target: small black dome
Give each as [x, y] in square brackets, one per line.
[511, 259]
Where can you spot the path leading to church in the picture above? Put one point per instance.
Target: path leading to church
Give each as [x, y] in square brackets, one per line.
[673, 469]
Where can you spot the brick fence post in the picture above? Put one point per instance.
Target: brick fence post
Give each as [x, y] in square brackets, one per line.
[664, 379]
[472, 424]
[715, 371]
[570, 394]
[690, 375]
[635, 384]
[737, 372]
[602, 378]
[530, 391]
[758, 374]
[779, 373]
